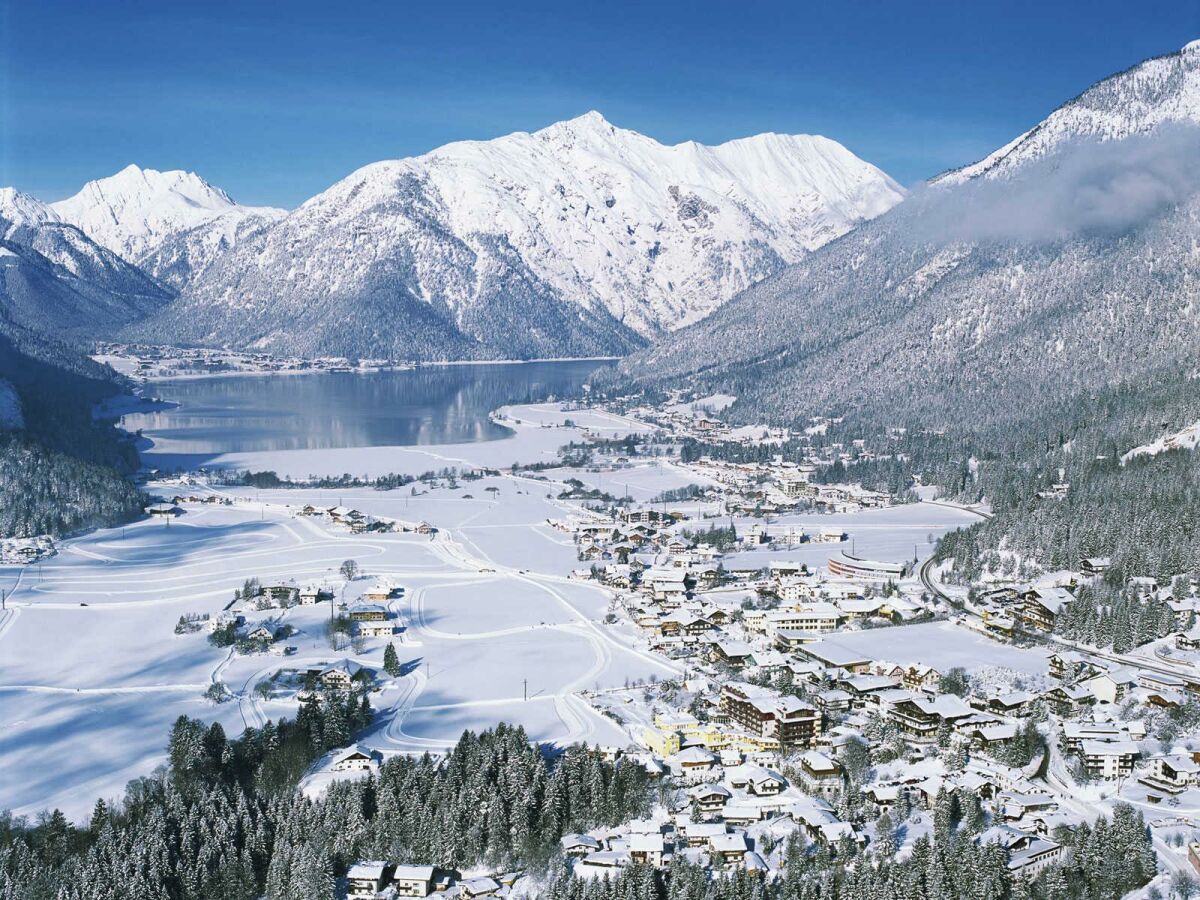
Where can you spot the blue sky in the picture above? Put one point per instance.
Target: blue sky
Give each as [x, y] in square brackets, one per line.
[275, 101]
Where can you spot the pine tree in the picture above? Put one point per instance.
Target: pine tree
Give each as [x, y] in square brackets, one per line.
[391, 662]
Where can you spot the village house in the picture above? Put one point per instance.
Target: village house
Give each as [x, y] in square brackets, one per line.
[1112, 686]
[1173, 773]
[368, 612]
[1109, 759]
[731, 847]
[375, 629]
[1068, 700]
[695, 764]
[356, 759]
[920, 717]
[646, 848]
[339, 676]
[1028, 854]
[379, 592]
[365, 880]
[1040, 607]
[413, 881]
[821, 775]
[710, 799]
[579, 845]
[311, 594]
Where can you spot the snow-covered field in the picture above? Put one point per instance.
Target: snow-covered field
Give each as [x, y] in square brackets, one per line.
[92, 675]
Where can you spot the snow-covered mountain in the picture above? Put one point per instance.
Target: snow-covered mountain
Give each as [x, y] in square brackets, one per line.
[1158, 91]
[579, 239]
[172, 224]
[1069, 270]
[54, 278]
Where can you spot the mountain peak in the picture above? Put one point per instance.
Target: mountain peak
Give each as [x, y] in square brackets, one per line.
[137, 211]
[1162, 90]
[19, 208]
[136, 184]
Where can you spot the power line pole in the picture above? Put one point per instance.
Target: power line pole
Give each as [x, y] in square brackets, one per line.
[525, 689]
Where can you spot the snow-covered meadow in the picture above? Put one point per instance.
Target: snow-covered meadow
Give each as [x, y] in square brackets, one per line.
[92, 674]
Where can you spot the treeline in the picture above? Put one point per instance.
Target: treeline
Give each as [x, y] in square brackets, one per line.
[1106, 862]
[45, 491]
[223, 821]
[64, 471]
[1103, 616]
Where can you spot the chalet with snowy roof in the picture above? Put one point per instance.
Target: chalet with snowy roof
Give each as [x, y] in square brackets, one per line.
[379, 592]
[386, 628]
[920, 718]
[1016, 806]
[735, 654]
[311, 594]
[922, 678]
[579, 845]
[1010, 703]
[755, 780]
[1068, 665]
[695, 764]
[355, 758]
[731, 847]
[863, 689]
[1068, 700]
[647, 849]
[1172, 773]
[1112, 686]
[710, 799]
[414, 881]
[821, 775]
[1028, 854]
[1040, 607]
[338, 676]
[1188, 640]
[368, 612]
[265, 633]
[365, 880]
[1091, 566]
[478, 887]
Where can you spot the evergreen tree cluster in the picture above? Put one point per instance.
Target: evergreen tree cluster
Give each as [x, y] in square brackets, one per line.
[223, 821]
[63, 471]
[1109, 860]
[1121, 619]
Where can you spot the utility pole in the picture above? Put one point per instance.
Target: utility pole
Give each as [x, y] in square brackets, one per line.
[525, 689]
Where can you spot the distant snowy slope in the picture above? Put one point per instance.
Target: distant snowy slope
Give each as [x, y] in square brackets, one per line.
[1157, 91]
[1071, 272]
[171, 223]
[580, 238]
[55, 279]
[1185, 439]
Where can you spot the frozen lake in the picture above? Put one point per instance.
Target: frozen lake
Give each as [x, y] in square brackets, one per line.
[430, 405]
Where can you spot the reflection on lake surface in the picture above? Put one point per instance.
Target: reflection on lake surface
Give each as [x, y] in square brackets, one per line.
[430, 405]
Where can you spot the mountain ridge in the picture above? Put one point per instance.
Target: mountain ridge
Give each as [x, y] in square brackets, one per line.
[581, 226]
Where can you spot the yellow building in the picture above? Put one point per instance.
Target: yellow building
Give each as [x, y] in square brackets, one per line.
[661, 743]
